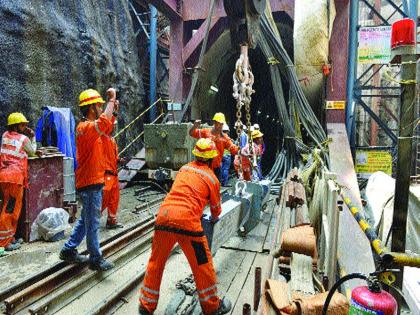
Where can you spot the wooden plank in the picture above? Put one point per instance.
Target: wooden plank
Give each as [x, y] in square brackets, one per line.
[237, 285]
[247, 293]
[275, 212]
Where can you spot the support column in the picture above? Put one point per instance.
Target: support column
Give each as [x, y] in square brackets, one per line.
[336, 83]
[176, 64]
[352, 71]
[153, 59]
[405, 140]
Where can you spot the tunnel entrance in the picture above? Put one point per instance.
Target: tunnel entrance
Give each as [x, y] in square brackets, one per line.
[214, 93]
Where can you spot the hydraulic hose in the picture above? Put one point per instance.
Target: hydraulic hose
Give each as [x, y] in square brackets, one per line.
[337, 285]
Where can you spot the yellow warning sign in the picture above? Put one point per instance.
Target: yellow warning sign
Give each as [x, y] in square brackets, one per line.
[371, 161]
[336, 104]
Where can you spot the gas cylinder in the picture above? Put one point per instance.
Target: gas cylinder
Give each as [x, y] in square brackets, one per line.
[373, 301]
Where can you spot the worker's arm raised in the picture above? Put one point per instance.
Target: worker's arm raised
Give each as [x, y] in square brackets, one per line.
[112, 103]
[195, 131]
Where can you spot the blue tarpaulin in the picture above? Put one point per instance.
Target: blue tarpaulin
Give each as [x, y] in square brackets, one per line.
[56, 128]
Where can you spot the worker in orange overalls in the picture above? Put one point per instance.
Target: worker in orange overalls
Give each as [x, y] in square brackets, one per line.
[16, 144]
[111, 193]
[249, 170]
[222, 141]
[179, 221]
[90, 177]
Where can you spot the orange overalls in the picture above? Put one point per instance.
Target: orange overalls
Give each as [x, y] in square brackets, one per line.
[246, 160]
[13, 180]
[111, 192]
[179, 221]
[222, 142]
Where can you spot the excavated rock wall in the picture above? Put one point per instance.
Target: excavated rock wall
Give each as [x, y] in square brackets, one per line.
[53, 49]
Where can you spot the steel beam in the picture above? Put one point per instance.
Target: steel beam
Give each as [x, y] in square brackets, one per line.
[193, 45]
[176, 64]
[352, 70]
[336, 84]
[153, 47]
[166, 7]
[198, 10]
[378, 120]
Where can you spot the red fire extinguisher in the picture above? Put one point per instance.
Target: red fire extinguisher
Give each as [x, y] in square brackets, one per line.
[369, 299]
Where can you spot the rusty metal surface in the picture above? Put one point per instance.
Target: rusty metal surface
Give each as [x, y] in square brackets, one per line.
[354, 251]
[46, 189]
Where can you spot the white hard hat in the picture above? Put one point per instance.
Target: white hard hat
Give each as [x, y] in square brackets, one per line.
[251, 128]
[256, 127]
[225, 127]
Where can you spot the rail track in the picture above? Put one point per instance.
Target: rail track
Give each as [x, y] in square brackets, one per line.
[53, 289]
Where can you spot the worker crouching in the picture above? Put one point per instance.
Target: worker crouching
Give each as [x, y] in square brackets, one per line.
[17, 143]
[179, 221]
[250, 162]
[90, 177]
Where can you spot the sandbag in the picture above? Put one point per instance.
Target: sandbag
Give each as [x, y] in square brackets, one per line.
[299, 239]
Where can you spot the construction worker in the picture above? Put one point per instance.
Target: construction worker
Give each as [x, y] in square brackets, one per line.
[243, 138]
[226, 160]
[111, 192]
[221, 140]
[90, 175]
[179, 221]
[249, 166]
[17, 143]
[262, 149]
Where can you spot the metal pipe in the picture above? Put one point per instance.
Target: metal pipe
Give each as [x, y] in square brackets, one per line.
[413, 10]
[246, 309]
[352, 70]
[387, 256]
[153, 57]
[257, 287]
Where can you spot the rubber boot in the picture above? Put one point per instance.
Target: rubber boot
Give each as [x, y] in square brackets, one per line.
[224, 307]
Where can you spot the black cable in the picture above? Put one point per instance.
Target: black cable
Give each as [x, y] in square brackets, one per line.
[337, 285]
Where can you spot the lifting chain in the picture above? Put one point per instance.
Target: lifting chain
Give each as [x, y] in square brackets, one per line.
[243, 79]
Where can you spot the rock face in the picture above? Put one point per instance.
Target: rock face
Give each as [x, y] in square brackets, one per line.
[51, 50]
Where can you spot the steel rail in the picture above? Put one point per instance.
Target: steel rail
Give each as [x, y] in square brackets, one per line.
[37, 290]
[14, 289]
[72, 290]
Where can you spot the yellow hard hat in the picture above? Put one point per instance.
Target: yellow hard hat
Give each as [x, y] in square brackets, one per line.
[16, 118]
[205, 148]
[90, 96]
[256, 134]
[220, 117]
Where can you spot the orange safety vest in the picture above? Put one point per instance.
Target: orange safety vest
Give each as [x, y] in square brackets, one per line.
[89, 151]
[13, 158]
[222, 142]
[194, 187]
